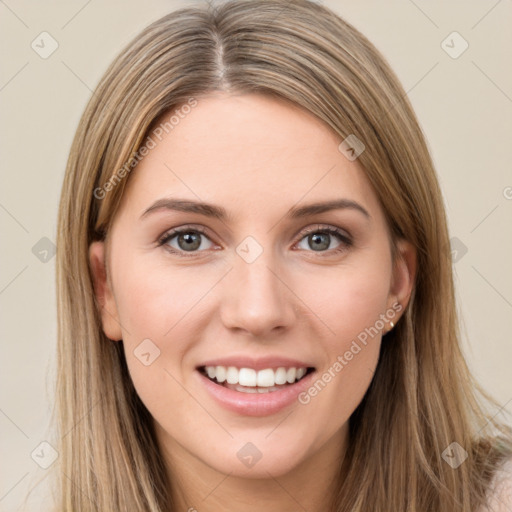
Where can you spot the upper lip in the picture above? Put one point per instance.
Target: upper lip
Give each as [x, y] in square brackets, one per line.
[260, 363]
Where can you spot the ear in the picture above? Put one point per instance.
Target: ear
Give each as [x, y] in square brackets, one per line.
[103, 292]
[404, 274]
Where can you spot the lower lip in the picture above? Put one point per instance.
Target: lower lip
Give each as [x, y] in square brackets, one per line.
[255, 404]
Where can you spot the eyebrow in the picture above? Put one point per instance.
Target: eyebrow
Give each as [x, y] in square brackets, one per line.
[218, 212]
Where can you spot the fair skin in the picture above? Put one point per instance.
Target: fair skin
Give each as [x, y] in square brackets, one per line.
[257, 158]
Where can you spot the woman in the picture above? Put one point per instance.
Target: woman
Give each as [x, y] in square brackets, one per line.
[256, 303]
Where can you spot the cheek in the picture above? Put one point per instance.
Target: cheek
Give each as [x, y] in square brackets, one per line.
[348, 299]
[160, 309]
[353, 312]
[155, 299]
[351, 301]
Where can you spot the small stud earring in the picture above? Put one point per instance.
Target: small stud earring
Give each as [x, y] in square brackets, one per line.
[392, 325]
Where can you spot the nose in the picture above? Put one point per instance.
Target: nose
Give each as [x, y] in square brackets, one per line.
[256, 299]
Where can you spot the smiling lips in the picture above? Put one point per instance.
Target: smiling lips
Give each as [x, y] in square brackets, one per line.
[251, 388]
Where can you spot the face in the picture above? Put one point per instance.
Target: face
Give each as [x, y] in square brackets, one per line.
[257, 281]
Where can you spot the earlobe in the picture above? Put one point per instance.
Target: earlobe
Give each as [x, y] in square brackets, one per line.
[404, 274]
[103, 292]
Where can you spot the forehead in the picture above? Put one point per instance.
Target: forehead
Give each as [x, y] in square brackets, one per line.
[248, 152]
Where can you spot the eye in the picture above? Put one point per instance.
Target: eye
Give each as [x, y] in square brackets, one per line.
[320, 237]
[191, 240]
[185, 239]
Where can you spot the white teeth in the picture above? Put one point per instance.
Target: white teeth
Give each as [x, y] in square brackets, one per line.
[280, 376]
[266, 378]
[250, 378]
[220, 373]
[247, 377]
[231, 375]
[290, 375]
[244, 389]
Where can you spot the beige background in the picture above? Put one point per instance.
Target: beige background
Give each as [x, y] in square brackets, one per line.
[464, 106]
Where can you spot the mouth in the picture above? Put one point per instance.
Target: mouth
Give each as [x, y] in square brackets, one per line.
[250, 380]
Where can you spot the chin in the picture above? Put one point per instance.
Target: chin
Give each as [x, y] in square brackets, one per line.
[256, 459]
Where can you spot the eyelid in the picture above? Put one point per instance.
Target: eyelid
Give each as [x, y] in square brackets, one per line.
[325, 227]
[180, 229]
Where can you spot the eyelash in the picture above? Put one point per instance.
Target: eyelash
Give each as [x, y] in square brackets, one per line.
[346, 241]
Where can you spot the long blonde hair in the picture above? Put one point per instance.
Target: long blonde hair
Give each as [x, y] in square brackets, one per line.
[303, 52]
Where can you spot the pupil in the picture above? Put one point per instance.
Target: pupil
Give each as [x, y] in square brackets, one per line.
[193, 241]
[318, 242]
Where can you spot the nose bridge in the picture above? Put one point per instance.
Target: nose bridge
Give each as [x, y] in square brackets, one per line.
[256, 299]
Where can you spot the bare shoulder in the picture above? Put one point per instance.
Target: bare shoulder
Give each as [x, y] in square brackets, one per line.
[500, 492]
